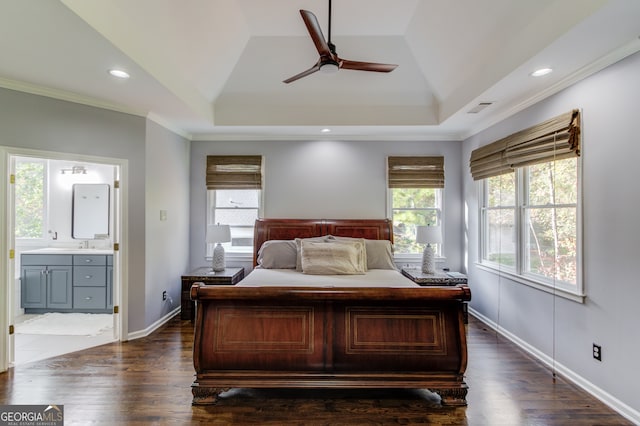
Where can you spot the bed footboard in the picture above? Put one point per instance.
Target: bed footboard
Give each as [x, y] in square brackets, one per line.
[330, 338]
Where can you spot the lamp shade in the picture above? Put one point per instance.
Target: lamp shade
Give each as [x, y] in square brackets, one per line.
[218, 233]
[428, 235]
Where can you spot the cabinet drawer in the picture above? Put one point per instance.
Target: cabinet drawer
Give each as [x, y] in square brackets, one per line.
[89, 298]
[81, 259]
[94, 276]
[46, 259]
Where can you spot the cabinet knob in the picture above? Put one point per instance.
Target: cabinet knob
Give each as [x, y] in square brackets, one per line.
[88, 298]
[88, 277]
[88, 260]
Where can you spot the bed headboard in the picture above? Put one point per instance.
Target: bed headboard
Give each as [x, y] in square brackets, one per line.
[289, 229]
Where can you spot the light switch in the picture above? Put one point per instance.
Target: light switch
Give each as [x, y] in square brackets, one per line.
[163, 215]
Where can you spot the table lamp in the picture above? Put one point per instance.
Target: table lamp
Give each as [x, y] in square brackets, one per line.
[218, 234]
[428, 235]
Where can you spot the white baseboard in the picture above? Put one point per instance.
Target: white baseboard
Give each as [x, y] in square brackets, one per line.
[623, 409]
[153, 327]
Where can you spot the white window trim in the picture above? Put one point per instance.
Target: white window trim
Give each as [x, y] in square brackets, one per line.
[517, 274]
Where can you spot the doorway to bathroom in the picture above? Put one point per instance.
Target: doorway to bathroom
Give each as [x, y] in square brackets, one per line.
[64, 281]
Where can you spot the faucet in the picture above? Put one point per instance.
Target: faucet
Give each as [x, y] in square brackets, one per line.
[84, 244]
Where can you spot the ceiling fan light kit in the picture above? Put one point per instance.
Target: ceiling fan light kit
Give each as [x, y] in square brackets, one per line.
[329, 68]
[329, 61]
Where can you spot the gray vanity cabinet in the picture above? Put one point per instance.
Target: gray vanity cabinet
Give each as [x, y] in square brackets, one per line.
[66, 283]
[47, 282]
[110, 283]
[89, 282]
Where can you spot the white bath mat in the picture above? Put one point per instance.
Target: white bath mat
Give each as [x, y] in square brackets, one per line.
[73, 324]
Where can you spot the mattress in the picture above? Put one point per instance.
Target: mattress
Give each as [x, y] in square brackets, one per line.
[260, 277]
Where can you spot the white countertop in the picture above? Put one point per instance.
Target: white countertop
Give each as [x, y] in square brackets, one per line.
[63, 250]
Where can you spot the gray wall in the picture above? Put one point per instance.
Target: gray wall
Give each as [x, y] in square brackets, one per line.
[167, 190]
[611, 203]
[41, 123]
[328, 180]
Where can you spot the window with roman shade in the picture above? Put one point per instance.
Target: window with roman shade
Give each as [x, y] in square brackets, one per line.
[234, 198]
[415, 199]
[529, 206]
[554, 139]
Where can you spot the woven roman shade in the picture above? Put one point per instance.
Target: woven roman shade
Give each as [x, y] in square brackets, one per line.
[234, 172]
[416, 172]
[554, 139]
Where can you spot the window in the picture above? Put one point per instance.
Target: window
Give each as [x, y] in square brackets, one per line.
[415, 194]
[499, 220]
[550, 211]
[529, 209]
[239, 209]
[234, 198]
[530, 222]
[412, 207]
[30, 200]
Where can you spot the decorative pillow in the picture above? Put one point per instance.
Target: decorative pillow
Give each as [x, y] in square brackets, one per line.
[333, 258]
[298, 242]
[379, 252]
[278, 254]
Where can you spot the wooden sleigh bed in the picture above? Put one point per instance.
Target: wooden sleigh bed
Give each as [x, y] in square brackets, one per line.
[328, 336]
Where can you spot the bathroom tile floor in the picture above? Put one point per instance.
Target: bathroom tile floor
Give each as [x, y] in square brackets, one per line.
[35, 347]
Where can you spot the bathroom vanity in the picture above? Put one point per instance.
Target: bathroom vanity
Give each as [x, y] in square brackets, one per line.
[61, 280]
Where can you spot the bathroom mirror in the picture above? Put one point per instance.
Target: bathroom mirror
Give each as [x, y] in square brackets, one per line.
[90, 211]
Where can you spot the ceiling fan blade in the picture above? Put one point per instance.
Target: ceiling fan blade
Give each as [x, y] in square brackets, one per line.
[311, 70]
[366, 66]
[315, 32]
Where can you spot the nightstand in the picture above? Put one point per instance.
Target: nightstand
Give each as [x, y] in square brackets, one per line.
[440, 278]
[230, 276]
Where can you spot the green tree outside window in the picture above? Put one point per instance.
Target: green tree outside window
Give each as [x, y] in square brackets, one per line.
[413, 207]
[29, 196]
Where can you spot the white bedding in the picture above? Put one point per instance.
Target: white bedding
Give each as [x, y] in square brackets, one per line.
[291, 278]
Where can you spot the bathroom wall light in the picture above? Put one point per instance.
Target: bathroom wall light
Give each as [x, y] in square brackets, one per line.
[75, 170]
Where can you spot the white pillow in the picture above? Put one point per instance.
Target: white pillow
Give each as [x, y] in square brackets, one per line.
[298, 249]
[334, 258]
[379, 252]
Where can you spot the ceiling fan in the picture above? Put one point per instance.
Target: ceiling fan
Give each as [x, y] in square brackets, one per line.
[329, 60]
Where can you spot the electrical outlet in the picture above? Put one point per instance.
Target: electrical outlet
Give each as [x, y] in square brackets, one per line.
[164, 295]
[597, 352]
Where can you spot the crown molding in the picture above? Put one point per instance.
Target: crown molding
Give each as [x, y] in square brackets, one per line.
[64, 95]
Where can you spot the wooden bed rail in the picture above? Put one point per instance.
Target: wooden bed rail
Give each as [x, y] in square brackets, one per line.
[460, 293]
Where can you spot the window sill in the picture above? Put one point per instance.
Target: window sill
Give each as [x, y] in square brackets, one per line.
[556, 291]
[234, 257]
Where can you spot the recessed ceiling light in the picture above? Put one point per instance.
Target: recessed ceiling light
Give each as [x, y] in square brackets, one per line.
[119, 73]
[540, 72]
[326, 130]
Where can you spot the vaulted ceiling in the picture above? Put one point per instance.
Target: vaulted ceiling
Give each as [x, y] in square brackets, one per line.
[214, 69]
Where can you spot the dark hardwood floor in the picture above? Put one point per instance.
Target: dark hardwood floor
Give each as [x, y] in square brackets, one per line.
[147, 382]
